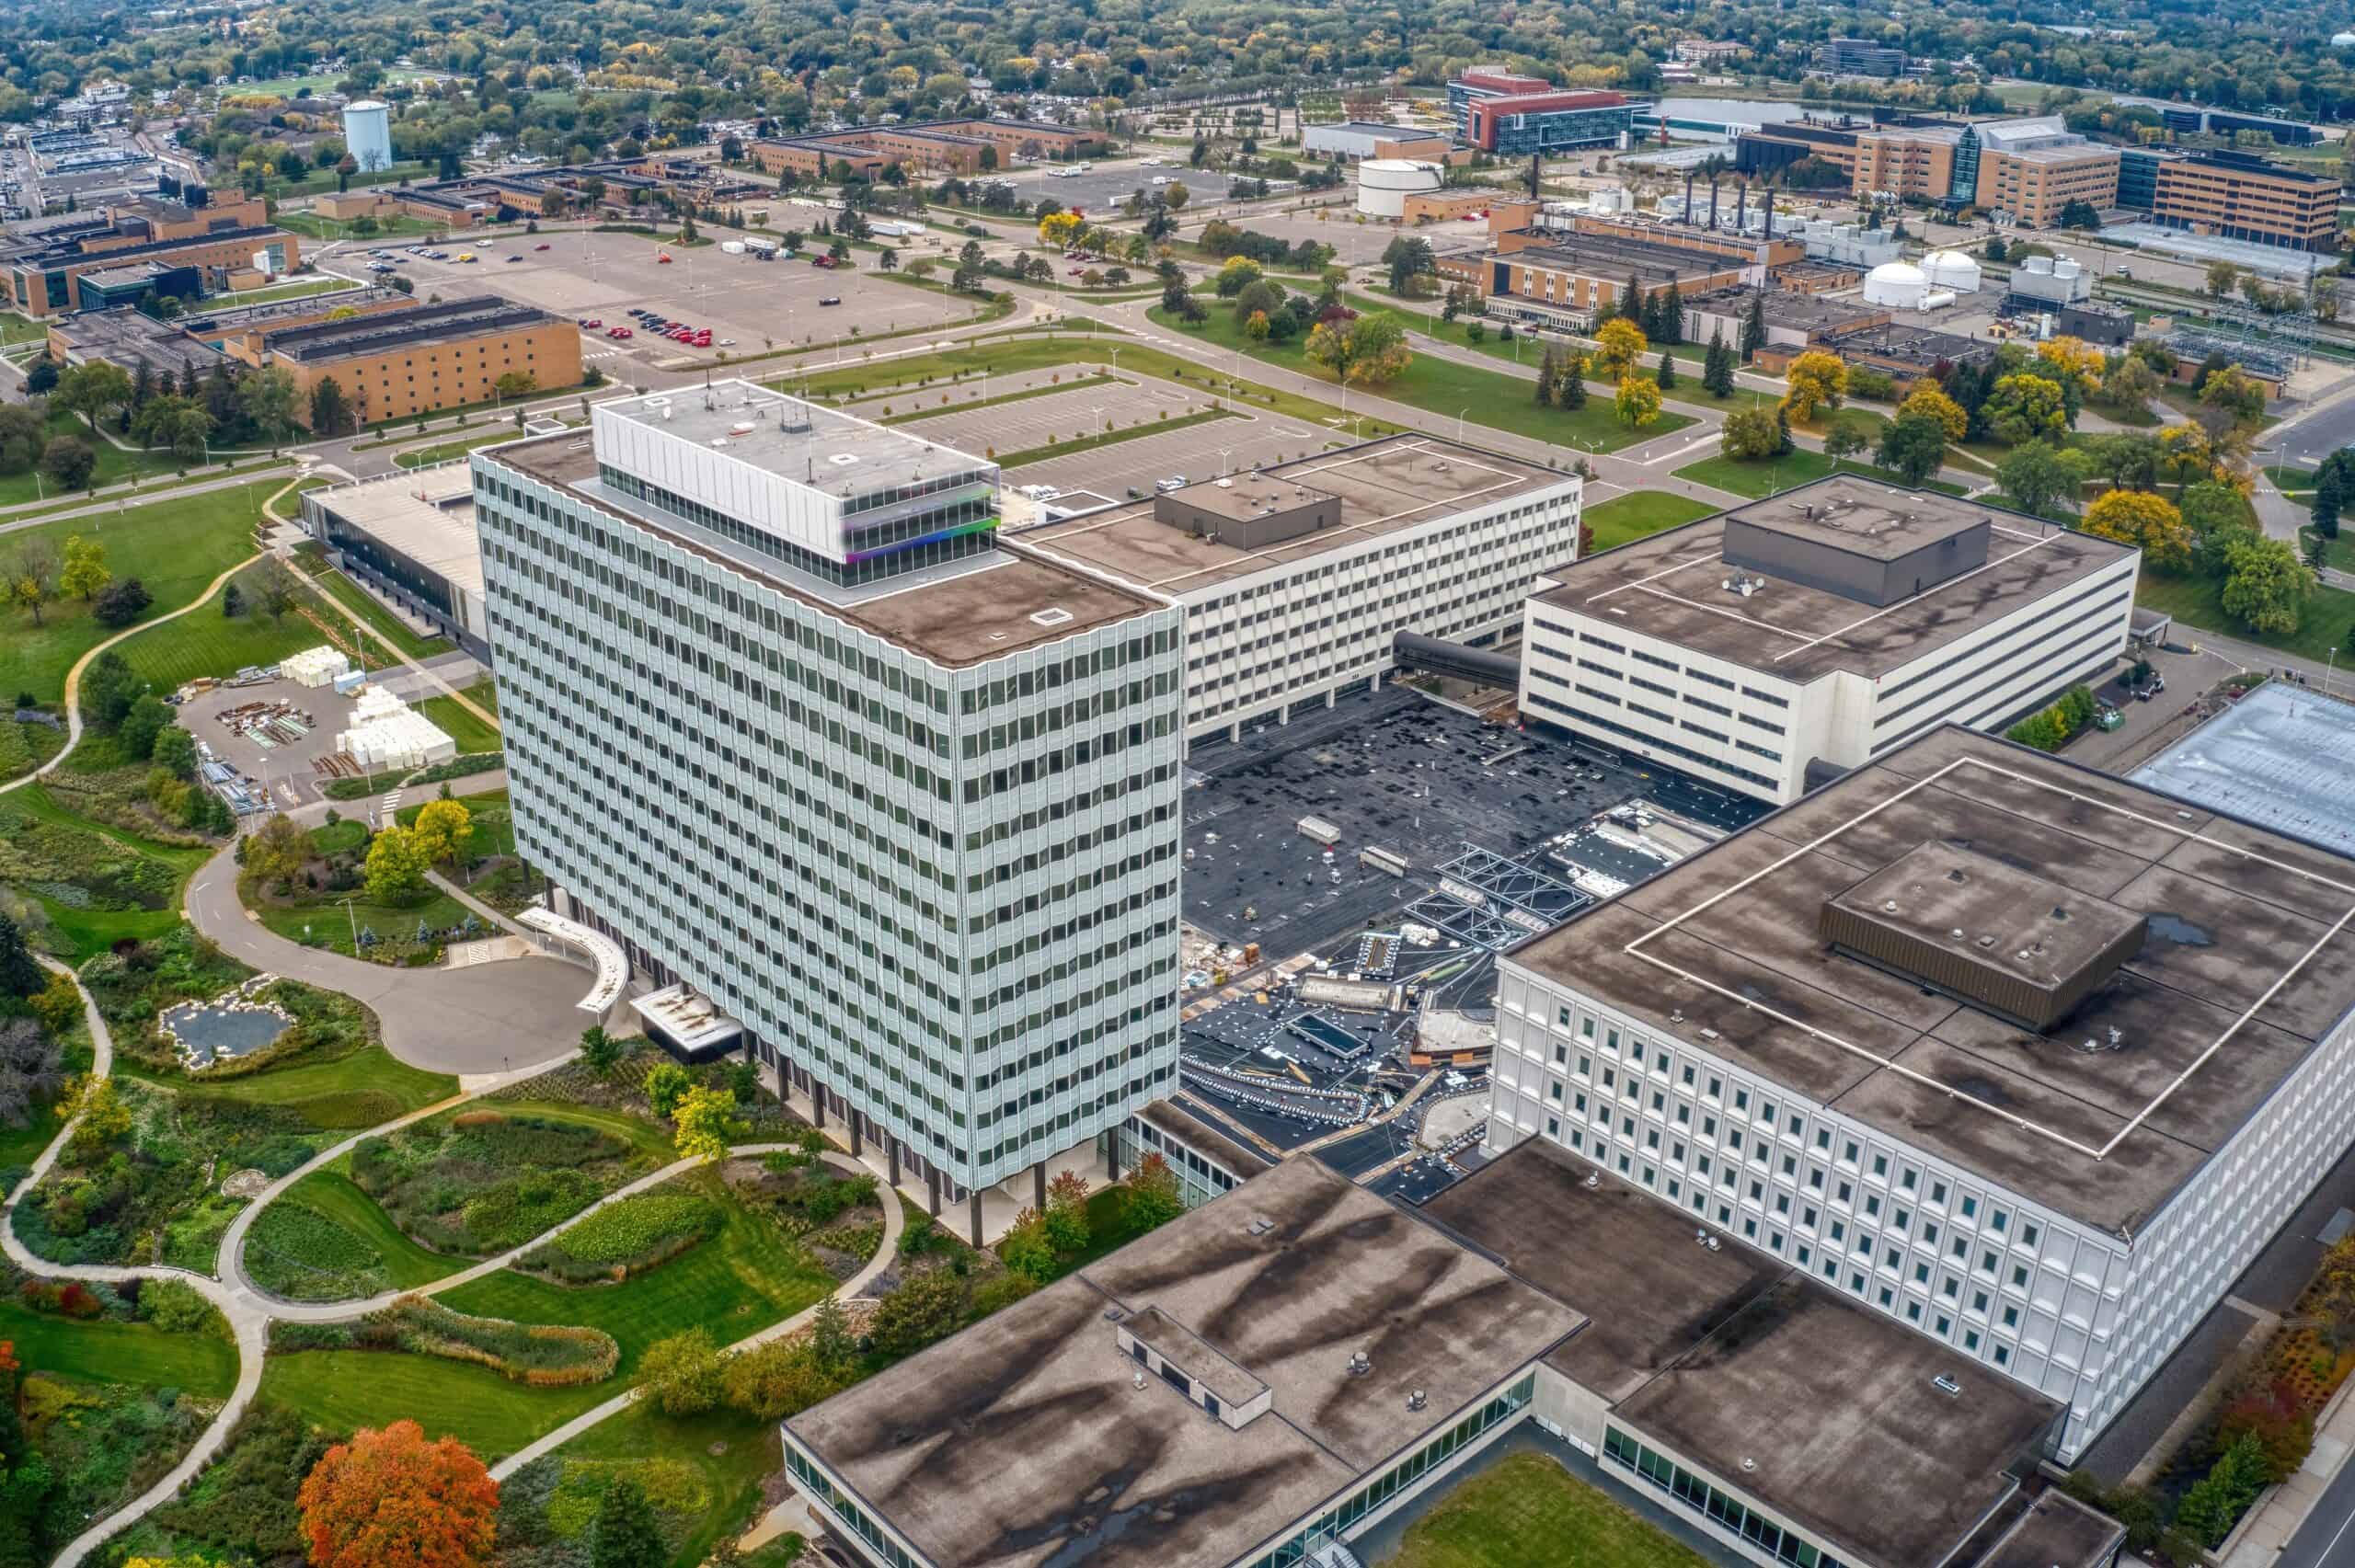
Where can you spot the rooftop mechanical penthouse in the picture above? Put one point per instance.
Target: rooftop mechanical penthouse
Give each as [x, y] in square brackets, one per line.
[898, 799]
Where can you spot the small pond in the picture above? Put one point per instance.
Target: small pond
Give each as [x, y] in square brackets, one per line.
[213, 1031]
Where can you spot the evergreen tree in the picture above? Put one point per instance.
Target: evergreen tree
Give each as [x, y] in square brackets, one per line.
[1753, 328]
[1631, 300]
[142, 385]
[1549, 370]
[1571, 394]
[2328, 499]
[188, 380]
[1672, 318]
[1666, 376]
[1719, 374]
[628, 1534]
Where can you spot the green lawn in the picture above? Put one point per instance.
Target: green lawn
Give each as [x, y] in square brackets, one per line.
[746, 1277]
[394, 225]
[327, 924]
[355, 600]
[2323, 624]
[1622, 519]
[344, 1389]
[114, 463]
[87, 932]
[330, 1195]
[1522, 349]
[1745, 476]
[749, 1453]
[743, 1279]
[205, 642]
[471, 733]
[1446, 388]
[1528, 1511]
[110, 1351]
[174, 548]
[363, 1090]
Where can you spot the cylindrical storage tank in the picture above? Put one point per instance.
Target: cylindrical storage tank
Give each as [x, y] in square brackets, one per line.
[1938, 299]
[1383, 185]
[1951, 269]
[1899, 285]
[368, 135]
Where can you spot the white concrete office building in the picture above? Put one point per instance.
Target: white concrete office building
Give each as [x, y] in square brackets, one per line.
[2032, 1059]
[786, 719]
[1822, 627]
[1296, 579]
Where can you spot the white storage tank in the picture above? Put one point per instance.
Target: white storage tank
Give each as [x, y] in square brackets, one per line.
[368, 135]
[1951, 269]
[1899, 285]
[1938, 299]
[1383, 185]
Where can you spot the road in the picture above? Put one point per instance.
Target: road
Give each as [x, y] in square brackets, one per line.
[2327, 1537]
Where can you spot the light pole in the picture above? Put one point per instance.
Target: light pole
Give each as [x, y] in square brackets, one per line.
[1459, 423]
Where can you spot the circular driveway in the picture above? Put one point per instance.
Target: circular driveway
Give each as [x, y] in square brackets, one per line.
[487, 1018]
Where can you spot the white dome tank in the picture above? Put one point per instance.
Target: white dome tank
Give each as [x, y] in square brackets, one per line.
[1951, 269]
[1897, 284]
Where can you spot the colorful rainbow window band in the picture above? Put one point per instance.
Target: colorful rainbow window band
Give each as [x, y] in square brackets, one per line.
[981, 525]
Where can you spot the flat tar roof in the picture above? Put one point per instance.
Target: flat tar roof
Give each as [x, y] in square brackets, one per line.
[979, 612]
[1783, 308]
[1830, 1412]
[1622, 1257]
[2280, 757]
[1025, 1440]
[1670, 585]
[2246, 965]
[2057, 1531]
[1385, 485]
[1611, 256]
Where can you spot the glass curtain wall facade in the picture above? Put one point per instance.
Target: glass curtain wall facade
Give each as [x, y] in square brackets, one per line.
[946, 894]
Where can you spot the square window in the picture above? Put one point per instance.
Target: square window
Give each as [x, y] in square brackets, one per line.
[1914, 1311]
[1970, 1206]
[2011, 1317]
[1888, 1297]
[2028, 1235]
[1938, 1192]
[2003, 1357]
[1880, 1164]
[1921, 1274]
[1971, 1339]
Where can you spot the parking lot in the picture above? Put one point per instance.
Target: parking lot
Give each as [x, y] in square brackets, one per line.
[1195, 452]
[1061, 416]
[1101, 186]
[757, 304]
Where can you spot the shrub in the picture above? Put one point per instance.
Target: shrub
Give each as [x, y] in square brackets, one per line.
[628, 1238]
[542, 1354]
[176, 1306]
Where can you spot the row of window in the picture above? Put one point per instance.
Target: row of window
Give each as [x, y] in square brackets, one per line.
[1728, 1511]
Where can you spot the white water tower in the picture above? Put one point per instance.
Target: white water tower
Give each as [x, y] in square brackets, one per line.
[368, 136]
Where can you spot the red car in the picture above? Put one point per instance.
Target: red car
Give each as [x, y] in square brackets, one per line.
[591, 323]
[541, 246]
[619, 332]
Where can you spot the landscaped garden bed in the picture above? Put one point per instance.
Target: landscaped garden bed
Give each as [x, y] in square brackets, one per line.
[545, 1356]
[836, 1215]
[628, 1238]
[486, 1179]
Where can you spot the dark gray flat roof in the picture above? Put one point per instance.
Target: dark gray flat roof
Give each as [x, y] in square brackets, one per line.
[1025, 1440]
[2057, 1531]
[1614, 256]
[2233, 910]
[1829, 1413]
[1671, 586]
[1622, 1257]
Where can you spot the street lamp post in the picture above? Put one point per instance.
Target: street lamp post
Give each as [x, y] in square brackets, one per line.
[1459, 423]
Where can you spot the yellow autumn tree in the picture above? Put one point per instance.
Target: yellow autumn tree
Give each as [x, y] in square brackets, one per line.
[1637, 401]
[1817, 381]
[1926, 398]
[1620, 343]
[1056, 228]
[2151, 523]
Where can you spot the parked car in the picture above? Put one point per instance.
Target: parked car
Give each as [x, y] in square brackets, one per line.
[831, 300]
[541, 246]
[1175, 482]
[591, 322]
[619, 332]
[514, 259]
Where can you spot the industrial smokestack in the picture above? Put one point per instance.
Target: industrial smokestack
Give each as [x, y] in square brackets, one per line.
[1713, 203]
[1534, 160]
[1688, 196]
[1741, 206]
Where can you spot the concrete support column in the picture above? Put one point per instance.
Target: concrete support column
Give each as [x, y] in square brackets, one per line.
[1331, 697]
[1112, 1155]
[857, 1142]
[1039, 1186]
[974, 1208]
[1234, 732]
[1283, 714]
[1374, 684]
[818, 1104]
[891, 1151]
[932, 1192]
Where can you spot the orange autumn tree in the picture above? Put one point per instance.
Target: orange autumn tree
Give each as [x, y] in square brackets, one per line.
[390, 1499]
